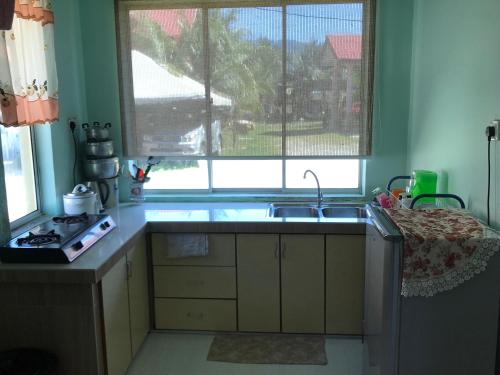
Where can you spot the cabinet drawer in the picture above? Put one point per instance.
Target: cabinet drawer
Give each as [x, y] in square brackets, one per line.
[195, 282]
[221, 252]
[212, 315]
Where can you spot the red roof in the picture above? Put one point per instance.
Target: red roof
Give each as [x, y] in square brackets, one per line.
[170, 20]
[345, 47]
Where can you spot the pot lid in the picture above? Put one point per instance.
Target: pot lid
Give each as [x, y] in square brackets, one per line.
[80, 191]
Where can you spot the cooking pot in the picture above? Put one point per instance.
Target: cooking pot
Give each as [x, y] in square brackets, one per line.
[80, 200]
[100, 149]
[96, 132]
[98, 169]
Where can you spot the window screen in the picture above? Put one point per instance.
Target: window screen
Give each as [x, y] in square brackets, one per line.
[250, 81]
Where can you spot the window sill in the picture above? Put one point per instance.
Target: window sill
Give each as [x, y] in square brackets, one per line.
[254, 197]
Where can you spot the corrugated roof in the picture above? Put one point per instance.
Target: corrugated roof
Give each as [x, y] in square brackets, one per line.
[171, 20]
[345, 47]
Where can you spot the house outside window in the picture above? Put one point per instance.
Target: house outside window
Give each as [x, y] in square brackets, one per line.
[247, 98]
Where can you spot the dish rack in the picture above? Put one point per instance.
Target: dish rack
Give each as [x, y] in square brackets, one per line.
[441, 199]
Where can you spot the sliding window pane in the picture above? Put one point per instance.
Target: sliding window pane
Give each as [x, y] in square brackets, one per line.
[247, 174]
[168, 82]
[246, 72]
[19, 171]
[323, 81]
[179, 175]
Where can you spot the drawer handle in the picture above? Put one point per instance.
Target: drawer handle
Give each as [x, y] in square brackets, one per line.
[198, 316]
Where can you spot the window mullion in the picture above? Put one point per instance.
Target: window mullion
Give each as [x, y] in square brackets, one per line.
[283, 93]
[206, 56]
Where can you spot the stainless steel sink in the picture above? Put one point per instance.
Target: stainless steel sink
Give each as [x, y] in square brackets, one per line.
[308, 210]
[344, 212]
[293, 211]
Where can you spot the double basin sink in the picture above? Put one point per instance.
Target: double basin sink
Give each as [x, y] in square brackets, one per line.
[309, 210]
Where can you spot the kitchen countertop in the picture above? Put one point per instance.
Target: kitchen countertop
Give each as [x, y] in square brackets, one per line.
[134, 220]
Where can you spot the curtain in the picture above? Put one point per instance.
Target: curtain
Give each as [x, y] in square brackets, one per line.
[253, 79]
[28, 77]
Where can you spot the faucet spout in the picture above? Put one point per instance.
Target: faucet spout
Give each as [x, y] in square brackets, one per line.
[320, 194]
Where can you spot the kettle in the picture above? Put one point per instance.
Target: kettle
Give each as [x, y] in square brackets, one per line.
[81, 200]
[101, 198]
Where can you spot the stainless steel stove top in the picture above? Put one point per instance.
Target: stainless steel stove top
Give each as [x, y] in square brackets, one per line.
[58, 240]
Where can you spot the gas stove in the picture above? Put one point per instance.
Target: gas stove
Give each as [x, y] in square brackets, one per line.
[58, 240]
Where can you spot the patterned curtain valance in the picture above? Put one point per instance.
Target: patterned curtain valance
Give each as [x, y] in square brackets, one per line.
[28, 76]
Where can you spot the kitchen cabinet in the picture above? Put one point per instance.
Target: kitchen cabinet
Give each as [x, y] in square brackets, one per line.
[258, 282]
[345, 257]
[195, 293]
[125, 308]
[302, 283]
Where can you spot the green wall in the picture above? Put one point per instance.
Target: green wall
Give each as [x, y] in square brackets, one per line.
[455, 93]
[392, 92]
[393, 44]
[86, 56]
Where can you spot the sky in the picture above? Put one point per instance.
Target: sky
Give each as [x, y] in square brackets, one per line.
[305, 23]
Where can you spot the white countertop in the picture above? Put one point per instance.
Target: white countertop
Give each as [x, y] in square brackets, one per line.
[136, 219]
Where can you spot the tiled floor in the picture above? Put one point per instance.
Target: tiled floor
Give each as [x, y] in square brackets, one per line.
[186, 353]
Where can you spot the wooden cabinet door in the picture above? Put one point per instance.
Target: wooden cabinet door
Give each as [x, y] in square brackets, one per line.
[116, 318]
[302, 283]
[258, 282]
[345, 260]
[138, 293]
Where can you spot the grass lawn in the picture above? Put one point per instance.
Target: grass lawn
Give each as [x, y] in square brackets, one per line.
[303, 138]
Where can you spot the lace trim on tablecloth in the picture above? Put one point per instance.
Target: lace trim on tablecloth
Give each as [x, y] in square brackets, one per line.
[477, 263]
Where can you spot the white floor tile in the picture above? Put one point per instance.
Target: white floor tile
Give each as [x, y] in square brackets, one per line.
[185, 354]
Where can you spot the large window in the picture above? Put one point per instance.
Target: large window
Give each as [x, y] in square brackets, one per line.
[247, 97]
[19, 172]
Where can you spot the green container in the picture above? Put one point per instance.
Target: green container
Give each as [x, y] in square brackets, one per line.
[424, 182]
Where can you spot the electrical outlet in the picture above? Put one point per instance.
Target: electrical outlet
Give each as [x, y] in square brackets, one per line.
[496, 125]
[72, 123]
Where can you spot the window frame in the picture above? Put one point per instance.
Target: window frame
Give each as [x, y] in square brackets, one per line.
[282, 191]
[36, 213]
[127, 108]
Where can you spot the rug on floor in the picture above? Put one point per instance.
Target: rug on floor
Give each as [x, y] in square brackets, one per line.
[268, 349]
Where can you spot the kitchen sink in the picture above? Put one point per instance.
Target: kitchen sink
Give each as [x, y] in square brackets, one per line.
[344, 212]
[308, 210]
[294, 211]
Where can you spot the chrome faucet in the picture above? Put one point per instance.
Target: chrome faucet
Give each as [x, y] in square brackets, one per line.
[320, 194]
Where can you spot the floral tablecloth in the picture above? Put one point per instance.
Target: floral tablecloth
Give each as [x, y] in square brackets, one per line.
[443, 248]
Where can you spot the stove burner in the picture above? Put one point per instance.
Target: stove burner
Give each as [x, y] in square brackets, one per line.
[39, 239]
[74, 219]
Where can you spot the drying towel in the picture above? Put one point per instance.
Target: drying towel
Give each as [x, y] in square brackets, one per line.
[187, 245]
[442, 249]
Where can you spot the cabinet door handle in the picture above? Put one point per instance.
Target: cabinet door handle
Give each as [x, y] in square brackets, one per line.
[277, 250]
[129, 270]
[283, 251]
